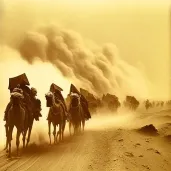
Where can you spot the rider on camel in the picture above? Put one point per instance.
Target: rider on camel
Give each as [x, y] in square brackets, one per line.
[28, 102]
[15, 90]
[36, 104]
[83, 101]
[59, 99]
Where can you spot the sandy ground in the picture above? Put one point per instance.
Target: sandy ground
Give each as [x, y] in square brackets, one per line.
[109, 143]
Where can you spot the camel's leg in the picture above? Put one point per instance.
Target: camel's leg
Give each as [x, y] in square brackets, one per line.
[18, 140]
[79, 127]
[54, 133]
[29, 132]
[63, 129]
[10, 139]
[6, 146]
[57, 136]
[74, 129]
[83, 124]
[60, 131]
[9, 149]
[70, 127]
[24, 137]
[62, 134]
[49, 125]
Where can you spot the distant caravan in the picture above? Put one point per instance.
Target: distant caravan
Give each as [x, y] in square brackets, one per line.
[111, 102]
[154, 104]
[131, 103]
[93, 102]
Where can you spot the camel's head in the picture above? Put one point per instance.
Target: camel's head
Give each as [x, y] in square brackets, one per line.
[16, 97]
[34, 91]
[75, 99]
[49, 99]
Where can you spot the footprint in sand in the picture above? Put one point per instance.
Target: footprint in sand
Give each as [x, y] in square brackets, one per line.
[120, 140]
[138, 144]
[152, 149]
[129, 154]
[145, 166]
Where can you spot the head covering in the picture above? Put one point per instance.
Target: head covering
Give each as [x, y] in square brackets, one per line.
[73, 89]
[54, 88]
[34, 91]
[20, 79]
[75, 94]
[17, 92]
[26, 89]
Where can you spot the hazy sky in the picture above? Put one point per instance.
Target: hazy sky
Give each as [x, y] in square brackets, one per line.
[140, 29]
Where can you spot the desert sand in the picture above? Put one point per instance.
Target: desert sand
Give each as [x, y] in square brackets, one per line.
[110, 142]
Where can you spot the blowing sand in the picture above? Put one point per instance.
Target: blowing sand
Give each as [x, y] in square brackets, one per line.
[110, 142]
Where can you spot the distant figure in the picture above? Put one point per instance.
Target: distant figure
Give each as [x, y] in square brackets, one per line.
[148, 104]
[111, 101]
[131, 102]
[162, 103]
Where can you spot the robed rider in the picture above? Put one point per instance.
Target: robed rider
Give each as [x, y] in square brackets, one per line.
[29, 103]
[83, 101]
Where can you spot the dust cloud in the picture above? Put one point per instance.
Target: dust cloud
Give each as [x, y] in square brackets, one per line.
[98, 70]
[41, 75]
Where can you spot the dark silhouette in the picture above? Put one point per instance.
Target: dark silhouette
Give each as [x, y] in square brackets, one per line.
[131, 102]
[148, 104]
[56, 90]
[76, 111]
[30, 104]
[111, 101]
[83, 101]
[15, 117]
[56, 116]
